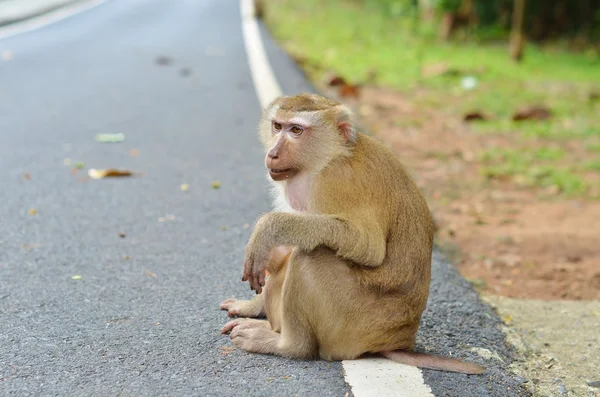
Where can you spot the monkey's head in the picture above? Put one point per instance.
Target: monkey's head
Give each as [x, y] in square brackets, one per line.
[303, 133]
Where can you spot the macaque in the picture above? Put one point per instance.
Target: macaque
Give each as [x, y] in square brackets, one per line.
[348, 248]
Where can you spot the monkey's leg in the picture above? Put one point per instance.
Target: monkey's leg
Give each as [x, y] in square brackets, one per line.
[243, 323]
[296, 339]
[241, 308]
[256, 306]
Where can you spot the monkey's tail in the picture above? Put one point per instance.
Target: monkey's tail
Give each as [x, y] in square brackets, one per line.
[423, 360]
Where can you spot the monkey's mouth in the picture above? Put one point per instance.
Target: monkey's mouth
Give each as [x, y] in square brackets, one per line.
[280, 174]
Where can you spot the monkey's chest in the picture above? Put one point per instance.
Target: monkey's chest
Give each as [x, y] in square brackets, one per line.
[296, 194]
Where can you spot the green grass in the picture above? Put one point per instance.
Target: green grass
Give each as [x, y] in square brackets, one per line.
[536, 167]
[353, 38]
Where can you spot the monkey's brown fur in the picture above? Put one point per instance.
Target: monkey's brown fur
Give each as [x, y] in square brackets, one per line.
[355, 278]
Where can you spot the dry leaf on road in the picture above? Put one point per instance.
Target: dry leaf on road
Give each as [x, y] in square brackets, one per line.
[108, 173]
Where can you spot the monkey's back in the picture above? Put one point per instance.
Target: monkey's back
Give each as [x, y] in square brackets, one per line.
[374, 178]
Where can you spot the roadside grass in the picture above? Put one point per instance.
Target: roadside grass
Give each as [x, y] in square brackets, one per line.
[353, 40]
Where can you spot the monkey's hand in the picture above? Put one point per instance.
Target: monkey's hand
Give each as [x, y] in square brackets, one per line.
[258, 253]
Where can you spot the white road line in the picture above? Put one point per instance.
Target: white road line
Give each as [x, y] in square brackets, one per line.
[367, 377]
[47, 18]
[380, 377]
[265, 83]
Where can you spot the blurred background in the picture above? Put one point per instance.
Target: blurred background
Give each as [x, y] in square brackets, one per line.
[494, 105]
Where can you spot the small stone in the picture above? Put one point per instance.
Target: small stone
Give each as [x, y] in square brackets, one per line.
[595, 383]
[535, 381]
[562, 389]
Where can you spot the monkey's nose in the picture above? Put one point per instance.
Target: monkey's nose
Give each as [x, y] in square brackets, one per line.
[273, 155]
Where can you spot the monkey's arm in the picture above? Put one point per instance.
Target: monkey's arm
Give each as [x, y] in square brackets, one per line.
[358, 239]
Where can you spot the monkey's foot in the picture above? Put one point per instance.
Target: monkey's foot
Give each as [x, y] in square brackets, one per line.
[255, 339]
[245, 323]
[241, 308]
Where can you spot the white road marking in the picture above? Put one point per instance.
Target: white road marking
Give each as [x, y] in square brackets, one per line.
[378, 377]
[48, 18]
[265, 83]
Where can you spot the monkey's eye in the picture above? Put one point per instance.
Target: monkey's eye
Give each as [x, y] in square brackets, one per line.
[296, 130]
[276, 126]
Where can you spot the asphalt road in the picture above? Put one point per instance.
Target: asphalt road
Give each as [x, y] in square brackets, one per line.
[143, 319]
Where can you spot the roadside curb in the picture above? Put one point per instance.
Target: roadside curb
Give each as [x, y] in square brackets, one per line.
[13, 11]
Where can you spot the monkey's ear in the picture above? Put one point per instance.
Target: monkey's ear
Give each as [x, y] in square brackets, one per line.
[345, 125]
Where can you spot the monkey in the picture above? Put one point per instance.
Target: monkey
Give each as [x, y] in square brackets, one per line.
[347, 248]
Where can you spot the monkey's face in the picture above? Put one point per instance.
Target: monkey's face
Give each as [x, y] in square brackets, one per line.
[286, 145]
[301, 134]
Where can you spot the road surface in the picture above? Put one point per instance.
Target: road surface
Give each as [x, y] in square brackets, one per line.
[111, 287]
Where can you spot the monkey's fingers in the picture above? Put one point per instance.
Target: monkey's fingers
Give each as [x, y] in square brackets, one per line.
[248, 264]
[226, 304]
[230, 325]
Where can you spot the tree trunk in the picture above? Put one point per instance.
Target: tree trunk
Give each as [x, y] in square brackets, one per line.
[517, 41]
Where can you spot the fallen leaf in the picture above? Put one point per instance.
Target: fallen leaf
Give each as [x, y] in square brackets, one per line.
[76, 277]
[126, 257]
[134, 152]
[150, 274]
[246, 225]
[122, 235]
[225, 350]
[223, 227]
[110, 138]
[348, 90]
[475, 115]
[67, 161]
[32, 211]
[163, 60]
[79, 165]
[108, 173]
[336, 81]
[161, 219]
[507, 319]
[27, 176]
[216, 184]
[184, 187]
[7, 55]
[536, 112]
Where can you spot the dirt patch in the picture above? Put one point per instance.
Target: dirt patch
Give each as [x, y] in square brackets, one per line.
[508, 239]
